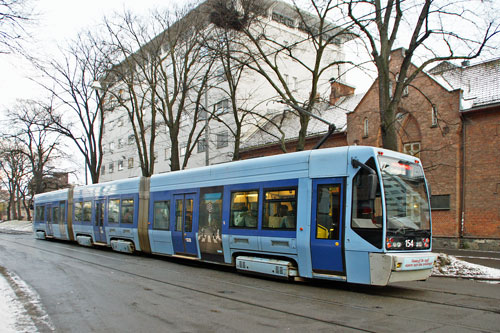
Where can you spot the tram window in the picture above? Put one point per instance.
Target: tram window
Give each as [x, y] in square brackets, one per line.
[188, 223]
[244, 209]
[114, 211]
[127, 211]
[78, 211]
[87, 211]
[367, 218]
[328, 212]
[40, 213]
[62, 211]
[55, 215]
[280, 207]
[210, 220]
[178, 214]
[161, 215]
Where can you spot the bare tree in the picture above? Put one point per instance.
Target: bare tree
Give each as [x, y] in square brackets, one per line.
[77, 108]
[133, 80]
[40, 146]
[267, 52]
[233, 109]
[430, 31]
[163, 75]
[14, 15]
[14, 168]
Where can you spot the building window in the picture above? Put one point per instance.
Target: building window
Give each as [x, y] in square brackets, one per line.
[155, 157]
[120, 143]
[120, 165]
[111, 147]
[130, 162]
[222, 140]
[203, 114]
[405, 89]
[183, 149]
[131, 139]
[166, 153]
[202, 145]
[434, 116]
[440, 202]
[222, 106]
[365, 128]
[278, 17]
[412, 148]
[103, 170]
[110, 167]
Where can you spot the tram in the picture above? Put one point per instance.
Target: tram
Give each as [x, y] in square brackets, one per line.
[355, 214]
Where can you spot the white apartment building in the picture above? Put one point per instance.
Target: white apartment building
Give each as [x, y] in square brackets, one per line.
[254, 93]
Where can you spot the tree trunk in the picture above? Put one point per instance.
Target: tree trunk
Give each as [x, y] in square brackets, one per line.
[301, 142]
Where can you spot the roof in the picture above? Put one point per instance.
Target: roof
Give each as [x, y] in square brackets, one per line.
[479, 82]
[289, 123]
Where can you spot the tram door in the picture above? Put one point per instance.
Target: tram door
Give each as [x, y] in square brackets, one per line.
[49, 220]
[99, 230]
[62, 220]
[326, 227]
[184, 232]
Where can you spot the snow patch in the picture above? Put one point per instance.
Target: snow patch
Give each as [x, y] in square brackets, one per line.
[21, 309]
[16, 226]
[451, 266]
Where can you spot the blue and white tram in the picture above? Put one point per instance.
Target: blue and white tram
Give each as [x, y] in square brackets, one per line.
[355, 214]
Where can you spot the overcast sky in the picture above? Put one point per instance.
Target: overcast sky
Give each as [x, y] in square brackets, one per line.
[56, 22]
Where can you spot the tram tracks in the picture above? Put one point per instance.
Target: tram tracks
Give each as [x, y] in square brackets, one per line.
[233, 296]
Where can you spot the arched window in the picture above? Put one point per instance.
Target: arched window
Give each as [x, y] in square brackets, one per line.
[434, 116]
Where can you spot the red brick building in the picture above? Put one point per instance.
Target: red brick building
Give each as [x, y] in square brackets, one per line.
[450, 118]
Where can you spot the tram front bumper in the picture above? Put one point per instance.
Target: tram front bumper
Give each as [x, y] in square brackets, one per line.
[395, 267]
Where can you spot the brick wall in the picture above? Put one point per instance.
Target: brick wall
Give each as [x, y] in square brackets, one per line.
[482, 174]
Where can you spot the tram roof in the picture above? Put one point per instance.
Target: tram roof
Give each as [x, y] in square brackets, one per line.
[269, 168]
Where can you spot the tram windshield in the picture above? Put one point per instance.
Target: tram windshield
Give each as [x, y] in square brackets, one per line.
[406, 200]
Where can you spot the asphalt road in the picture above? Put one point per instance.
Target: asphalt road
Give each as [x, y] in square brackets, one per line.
[95, 290]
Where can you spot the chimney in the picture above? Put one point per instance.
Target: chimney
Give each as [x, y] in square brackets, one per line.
[339, 90]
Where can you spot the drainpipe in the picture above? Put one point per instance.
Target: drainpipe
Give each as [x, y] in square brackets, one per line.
[462, 185]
